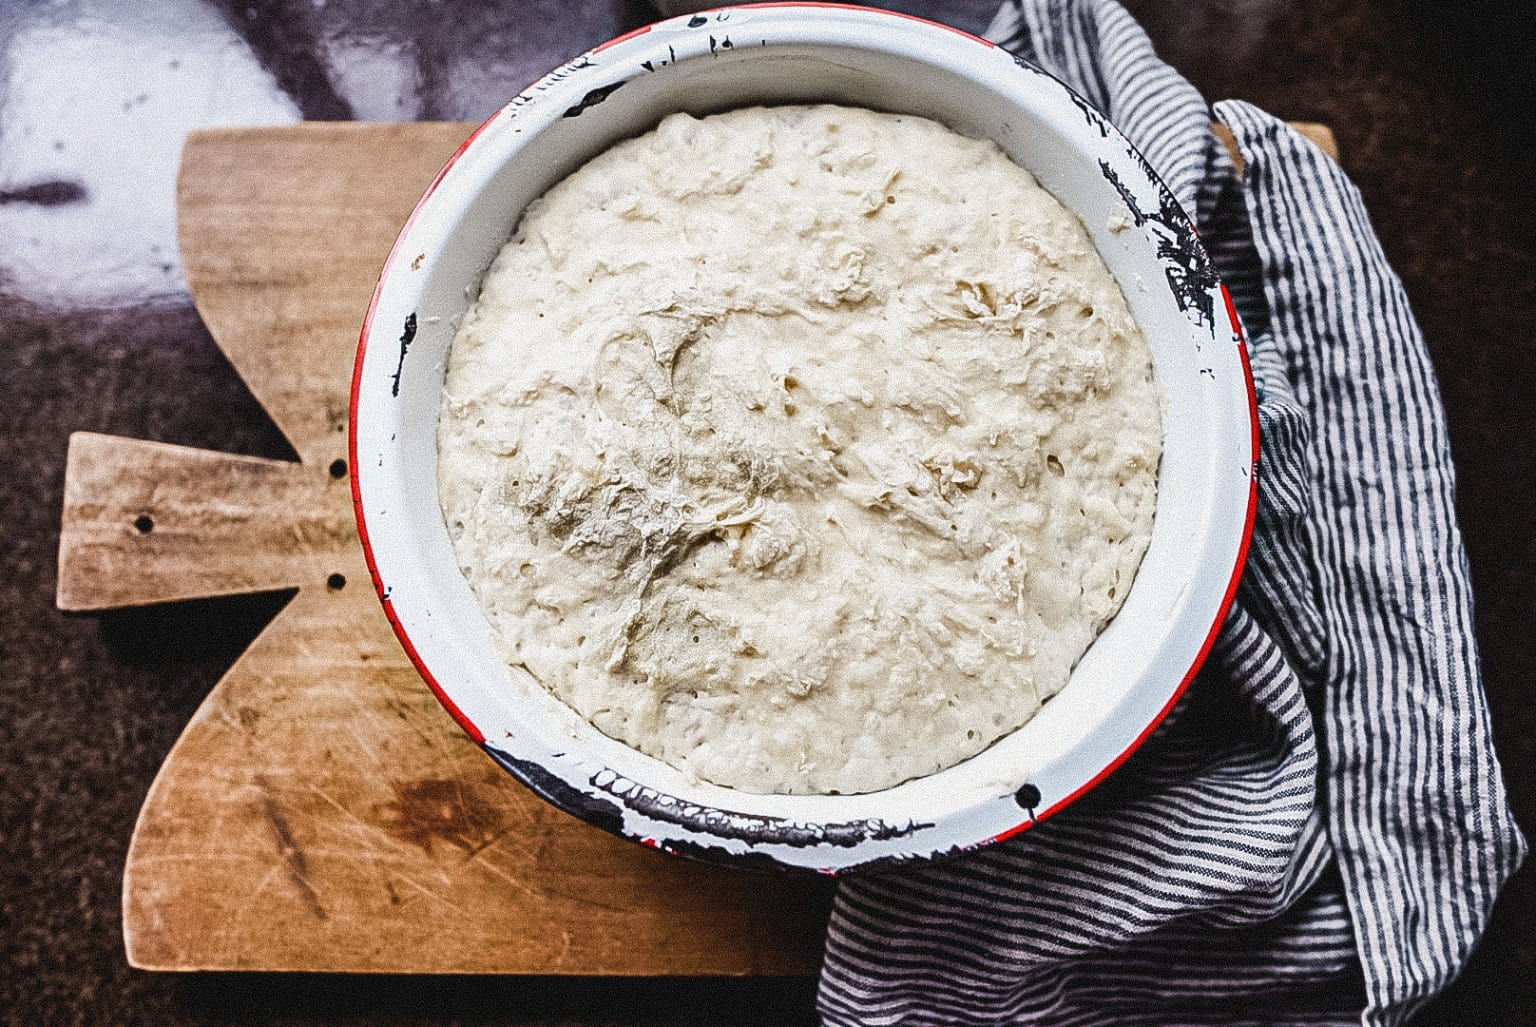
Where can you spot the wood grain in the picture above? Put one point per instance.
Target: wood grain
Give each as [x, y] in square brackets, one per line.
[145, 522]
[283, 232]
[321, 812]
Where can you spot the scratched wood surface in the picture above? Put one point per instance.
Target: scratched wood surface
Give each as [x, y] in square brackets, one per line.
[321, 812]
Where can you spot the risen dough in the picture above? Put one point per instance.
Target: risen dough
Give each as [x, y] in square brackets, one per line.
[804, 448]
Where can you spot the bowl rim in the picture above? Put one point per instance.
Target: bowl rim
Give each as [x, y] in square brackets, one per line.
[557, 792]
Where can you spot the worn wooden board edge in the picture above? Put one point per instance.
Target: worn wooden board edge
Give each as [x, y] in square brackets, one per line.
[118, 548]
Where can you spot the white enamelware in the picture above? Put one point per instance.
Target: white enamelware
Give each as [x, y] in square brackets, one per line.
[804, 53]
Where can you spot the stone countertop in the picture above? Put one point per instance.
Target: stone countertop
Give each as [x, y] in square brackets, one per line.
[1432, 106]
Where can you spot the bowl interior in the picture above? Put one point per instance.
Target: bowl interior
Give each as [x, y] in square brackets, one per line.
[1128, 677]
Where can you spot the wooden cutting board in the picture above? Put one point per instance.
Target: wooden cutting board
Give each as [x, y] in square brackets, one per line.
[321, 812]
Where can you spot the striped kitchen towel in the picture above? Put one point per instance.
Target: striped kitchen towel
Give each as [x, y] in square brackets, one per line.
[1317, 833]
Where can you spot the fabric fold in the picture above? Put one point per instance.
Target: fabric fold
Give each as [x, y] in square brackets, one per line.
[1417, 810]
[1317, 832]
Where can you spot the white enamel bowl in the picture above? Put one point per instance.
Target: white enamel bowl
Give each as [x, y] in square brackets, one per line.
[796, 54]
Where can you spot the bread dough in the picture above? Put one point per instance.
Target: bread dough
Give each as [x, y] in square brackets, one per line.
[806, 449]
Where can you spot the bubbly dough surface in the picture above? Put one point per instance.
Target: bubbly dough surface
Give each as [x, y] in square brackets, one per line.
[804, 448]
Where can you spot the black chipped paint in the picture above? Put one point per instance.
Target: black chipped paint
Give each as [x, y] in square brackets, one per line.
[406, 338]
[1095, 117]
[592, 99]
[1029, 799]
[1190, 274]
[720, 855]
[724, 43]
[1126, 195]
[594, 810]
[697, 20]
[750, 828]
[881, 864]
[761, 861]
[553, 78]
[1192, 279]
[652, 65]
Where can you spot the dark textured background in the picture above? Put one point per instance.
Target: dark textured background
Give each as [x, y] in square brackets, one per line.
[1432, 106]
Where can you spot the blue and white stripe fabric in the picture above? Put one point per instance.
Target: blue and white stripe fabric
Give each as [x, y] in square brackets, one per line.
[1317, 833]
